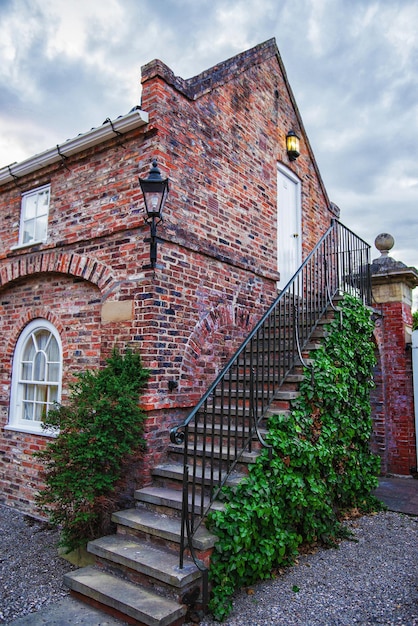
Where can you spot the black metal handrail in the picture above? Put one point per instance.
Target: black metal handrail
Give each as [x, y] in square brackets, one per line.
[220, 430]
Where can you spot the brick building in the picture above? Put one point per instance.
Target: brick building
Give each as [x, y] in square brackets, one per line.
[74, 246]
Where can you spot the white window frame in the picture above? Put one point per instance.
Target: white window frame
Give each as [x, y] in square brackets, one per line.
[23, 384]
[40, 213]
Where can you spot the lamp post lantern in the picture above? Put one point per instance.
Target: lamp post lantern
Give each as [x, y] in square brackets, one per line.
[155, 192]
[292, 145]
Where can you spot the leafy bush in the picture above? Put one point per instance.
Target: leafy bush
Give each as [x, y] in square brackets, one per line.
[99, 430]
[318, 465]
[415, 320]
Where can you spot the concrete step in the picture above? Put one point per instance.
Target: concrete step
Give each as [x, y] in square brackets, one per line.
[287, 395]
[294, 378]
[218, 453]
[121, 597]
[236, 430]
[239, 410]
[148, 560]
[150, 523]
[319, 332]
[277, 411]
[312, 345]
[170, 498]
[174, 471]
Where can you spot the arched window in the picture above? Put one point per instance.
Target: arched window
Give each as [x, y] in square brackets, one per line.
[36, 377]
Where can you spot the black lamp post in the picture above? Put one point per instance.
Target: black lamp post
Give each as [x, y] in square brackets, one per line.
[292, 145]
[155, 191]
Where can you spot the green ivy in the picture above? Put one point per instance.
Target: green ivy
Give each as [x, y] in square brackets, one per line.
[319, 464]
[98, 431]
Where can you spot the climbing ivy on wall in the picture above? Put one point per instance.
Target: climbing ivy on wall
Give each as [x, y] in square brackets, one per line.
[98, 432]
[319, 464]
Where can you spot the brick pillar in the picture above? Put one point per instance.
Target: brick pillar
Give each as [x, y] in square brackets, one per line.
[392, 400]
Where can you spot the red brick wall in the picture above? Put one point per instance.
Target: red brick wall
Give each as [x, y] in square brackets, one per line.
[378, 404]
[73, 306]
[392, 401]
[221, 151]
[95, 195]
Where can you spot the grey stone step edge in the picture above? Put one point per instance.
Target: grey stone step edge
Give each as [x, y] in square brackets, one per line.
[124, 597]
[143, 557]
[164, 527]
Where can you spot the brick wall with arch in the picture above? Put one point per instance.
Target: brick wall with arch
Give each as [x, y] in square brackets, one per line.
[211, 343]
[73, 307]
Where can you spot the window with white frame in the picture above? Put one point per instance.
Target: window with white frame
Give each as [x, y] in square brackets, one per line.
[34, 216]
[36, 376]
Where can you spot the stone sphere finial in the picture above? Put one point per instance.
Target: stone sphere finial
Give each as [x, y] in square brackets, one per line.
[384, 242]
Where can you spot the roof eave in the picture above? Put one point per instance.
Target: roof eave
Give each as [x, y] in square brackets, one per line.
[110, 128]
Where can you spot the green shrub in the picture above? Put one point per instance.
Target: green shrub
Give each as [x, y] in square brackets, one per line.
[415, 320]
[319, 464]
[98, 432]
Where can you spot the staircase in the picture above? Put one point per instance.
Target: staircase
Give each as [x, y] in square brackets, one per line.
[136, 576]
[153, 571]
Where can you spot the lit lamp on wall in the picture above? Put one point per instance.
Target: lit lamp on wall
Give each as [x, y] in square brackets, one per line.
[155, 192]
[292, 145]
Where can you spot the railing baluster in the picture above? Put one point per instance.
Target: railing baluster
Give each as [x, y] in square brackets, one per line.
[244, 379]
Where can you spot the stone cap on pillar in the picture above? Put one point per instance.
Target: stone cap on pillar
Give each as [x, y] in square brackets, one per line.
[391, 280]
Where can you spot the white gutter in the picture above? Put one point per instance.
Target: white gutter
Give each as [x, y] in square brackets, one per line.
[134, 119]
[415, 375]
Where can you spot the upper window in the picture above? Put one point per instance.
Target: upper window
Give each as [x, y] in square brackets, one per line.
[36, 379]
[34, 216]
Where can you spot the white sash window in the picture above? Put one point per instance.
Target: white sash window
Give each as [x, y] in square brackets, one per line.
[37, 371]
[34, 216]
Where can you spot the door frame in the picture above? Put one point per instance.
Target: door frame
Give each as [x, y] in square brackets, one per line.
[282, 170]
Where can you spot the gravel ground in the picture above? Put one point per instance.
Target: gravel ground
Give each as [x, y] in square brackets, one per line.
[373, 580]
[31, 572]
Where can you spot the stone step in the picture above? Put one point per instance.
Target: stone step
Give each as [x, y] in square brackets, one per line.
[294, 378]
[276, 411]
[163, 527]
[217, 453]
[239, 410]
[319, 332]
[174, 471]
[235, 431]
[170, 498]
[312, 345]
[277, 346]
[287, 395]
[236, 379]
[125, 598]
[141, 556]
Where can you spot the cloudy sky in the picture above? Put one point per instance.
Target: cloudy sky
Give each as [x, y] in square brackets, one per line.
[67, 65]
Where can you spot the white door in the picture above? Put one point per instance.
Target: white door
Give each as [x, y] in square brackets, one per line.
[289, 240]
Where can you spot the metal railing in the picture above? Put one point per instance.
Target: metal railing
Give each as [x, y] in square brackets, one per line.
[220, 430]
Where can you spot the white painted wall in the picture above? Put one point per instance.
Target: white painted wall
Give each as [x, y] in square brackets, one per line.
[415, 373]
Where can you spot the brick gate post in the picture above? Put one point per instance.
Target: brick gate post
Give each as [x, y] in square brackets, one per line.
[392, 400]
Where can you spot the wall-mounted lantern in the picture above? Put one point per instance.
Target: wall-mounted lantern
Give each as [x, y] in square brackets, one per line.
[292, 145]
[155, 192]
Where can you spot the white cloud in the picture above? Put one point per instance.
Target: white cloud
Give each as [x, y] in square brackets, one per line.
[402, 33]
[67, 65]
[71, 25]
